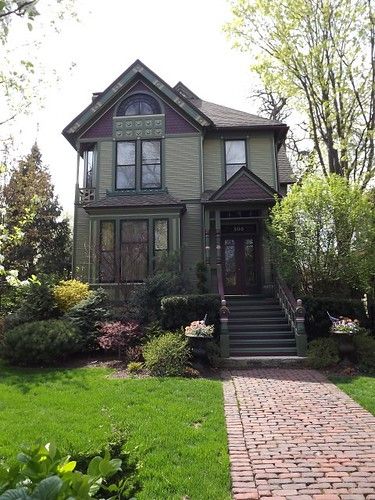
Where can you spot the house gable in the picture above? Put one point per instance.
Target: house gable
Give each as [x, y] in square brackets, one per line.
[244, 186]
[111, 95]
[175, 123]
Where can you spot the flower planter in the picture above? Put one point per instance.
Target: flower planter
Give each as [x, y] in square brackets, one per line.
[345, 344]
[198, 346]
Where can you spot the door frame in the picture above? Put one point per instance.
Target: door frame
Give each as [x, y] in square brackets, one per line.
[240, 267]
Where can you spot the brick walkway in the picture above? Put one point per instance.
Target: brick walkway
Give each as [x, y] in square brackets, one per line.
[293, 434]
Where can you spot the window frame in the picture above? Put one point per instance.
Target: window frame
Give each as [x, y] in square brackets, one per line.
[137, 99]
[86, 152]
[147, 246]
[141, 165]
[244, 140]
[114, 251]
[118, 165]
[157, 219]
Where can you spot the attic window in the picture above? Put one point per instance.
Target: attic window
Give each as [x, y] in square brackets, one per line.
[138, 104]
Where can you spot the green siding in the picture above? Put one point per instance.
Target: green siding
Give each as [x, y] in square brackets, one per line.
[261, 155]
[213, 161]
[182, 166]
[105, 167]
[81, 245]
[192, 245]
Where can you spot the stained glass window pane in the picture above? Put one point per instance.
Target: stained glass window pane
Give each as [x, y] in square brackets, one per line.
[134, 250]
[107, 252]
[161, 235]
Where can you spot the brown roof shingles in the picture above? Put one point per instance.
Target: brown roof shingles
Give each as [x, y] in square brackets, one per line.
[284, 168]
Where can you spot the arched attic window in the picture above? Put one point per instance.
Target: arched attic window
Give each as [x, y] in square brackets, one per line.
[138, 104]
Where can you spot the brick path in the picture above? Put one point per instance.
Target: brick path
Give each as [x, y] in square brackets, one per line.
[293, 434]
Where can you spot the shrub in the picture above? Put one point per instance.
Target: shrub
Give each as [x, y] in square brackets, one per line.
[87, 316]
[153, 329]
[42, 471]
[36, 303]
[134, 353]
[135, 367]
[117, 336]
[167, 355]
[365, 351]
[317, 322]
[145, 300]
[69, 293]
[213, 353]
[41, 342]
[322, 353]
[180, 310]
[201, 272]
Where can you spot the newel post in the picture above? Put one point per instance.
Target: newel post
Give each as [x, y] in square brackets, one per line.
[224, 331]
[301, 337]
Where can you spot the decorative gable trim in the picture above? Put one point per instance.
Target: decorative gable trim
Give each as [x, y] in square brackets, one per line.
[107, 96]
[244, 185]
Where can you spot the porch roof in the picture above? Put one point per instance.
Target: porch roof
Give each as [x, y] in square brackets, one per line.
[243, 186]
[145, 200]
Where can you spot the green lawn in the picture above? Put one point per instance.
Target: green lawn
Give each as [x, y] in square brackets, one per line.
[175, 426]
[361, 389]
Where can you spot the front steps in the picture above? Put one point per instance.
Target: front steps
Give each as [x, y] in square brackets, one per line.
[258, 327]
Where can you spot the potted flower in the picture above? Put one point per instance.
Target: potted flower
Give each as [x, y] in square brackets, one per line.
[344, 328]
[198, 333]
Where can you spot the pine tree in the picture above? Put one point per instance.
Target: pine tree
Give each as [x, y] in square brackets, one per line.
[46, 245]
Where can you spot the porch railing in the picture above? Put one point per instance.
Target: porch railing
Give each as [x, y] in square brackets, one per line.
[86, 195]
[224, 315]
[295, 313]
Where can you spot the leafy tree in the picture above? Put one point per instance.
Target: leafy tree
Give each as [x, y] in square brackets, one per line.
[320, 54]
[323, 236]
[45, 245]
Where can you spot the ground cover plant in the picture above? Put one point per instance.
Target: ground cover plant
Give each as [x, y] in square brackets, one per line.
[175, 426]
[361, 389]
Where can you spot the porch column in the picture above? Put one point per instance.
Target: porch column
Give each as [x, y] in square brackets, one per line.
[207, 248]
[224, 311]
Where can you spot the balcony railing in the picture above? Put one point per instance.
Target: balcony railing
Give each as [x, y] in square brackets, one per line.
[86, 195]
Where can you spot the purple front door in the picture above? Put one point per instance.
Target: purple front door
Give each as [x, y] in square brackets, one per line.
[240, 268]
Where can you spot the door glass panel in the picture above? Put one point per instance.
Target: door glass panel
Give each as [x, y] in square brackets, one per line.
[230, 263]
[249, 262]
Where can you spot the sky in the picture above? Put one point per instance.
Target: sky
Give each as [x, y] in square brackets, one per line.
[180, 41]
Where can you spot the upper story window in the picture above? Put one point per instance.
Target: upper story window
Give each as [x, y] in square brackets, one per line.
[138, 160]
[89, 165]
[235, 156]
[139, 104]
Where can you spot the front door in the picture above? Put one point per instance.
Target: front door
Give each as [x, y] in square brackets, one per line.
[240, 270]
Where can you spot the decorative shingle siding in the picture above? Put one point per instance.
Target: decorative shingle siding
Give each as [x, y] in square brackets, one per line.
[191, 232]
[174, 122]
[182, 167]
[261, 155]
[105, 167]
[81, 244]
[212, 155]
[244, 188]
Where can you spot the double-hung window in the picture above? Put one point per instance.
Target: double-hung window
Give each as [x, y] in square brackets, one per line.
[138, 165]
[235, 156]
[88, 163]
[126, 165]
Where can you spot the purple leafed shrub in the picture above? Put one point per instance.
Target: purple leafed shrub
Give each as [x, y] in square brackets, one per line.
[118, 336]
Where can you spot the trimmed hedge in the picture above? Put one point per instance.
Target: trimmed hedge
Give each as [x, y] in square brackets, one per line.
[180, 310]
[317, 322]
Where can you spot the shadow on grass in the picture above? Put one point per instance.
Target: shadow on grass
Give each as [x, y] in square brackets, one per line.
[27, 379]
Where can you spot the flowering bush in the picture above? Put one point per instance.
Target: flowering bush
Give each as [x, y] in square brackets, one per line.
[119, 336]
[345, 325]
[199, 329]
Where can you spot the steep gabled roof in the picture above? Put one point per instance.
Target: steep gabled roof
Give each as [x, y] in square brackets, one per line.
[103, 100]
[244, 185]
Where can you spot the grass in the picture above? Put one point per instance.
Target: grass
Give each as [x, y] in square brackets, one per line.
[175, 426]
[361, 389]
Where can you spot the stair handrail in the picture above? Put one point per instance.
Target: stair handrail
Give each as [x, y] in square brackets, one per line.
[295, 313]
[223, 314]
